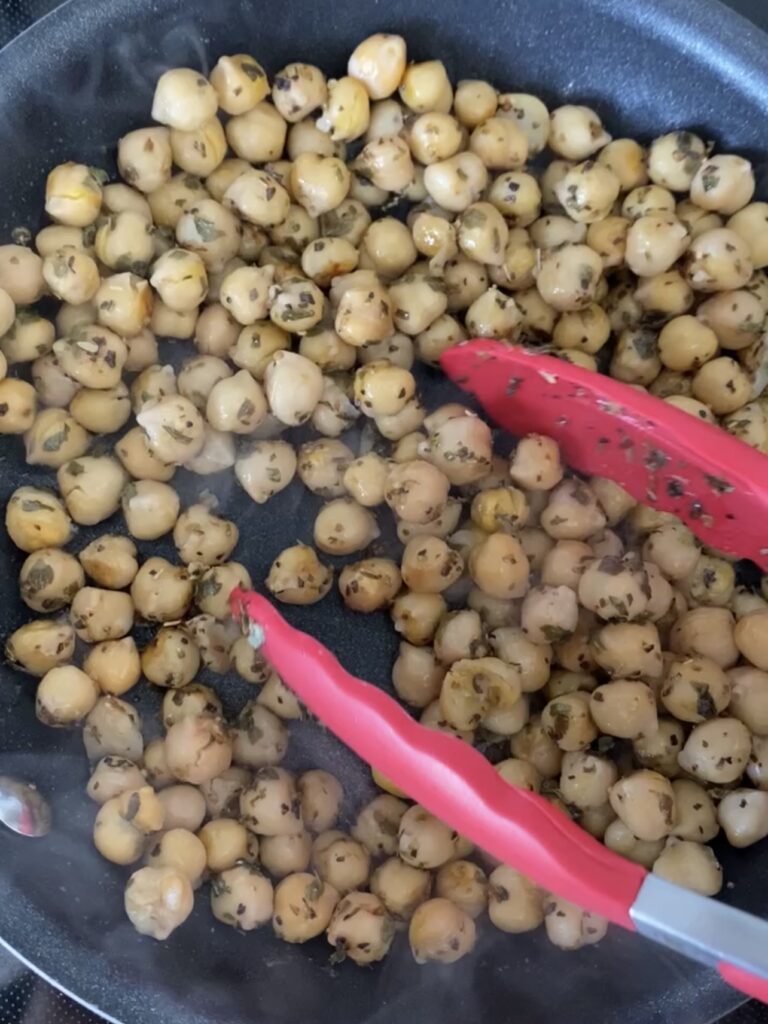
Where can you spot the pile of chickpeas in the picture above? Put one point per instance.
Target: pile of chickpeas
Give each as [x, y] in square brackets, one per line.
[588, 643]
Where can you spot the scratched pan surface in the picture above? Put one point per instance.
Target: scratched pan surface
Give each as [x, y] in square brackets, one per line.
[70, 87]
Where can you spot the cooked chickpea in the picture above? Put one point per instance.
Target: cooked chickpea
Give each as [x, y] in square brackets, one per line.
[440, 931]
[266, 469]
[73, 195]
[625, 708]
[718, 260]
[303, 907]
[735, 317]
[576, 132]
[298, 577]
[706, 631]
[49, 579]
[21, 274]
[723, 183]
[65, 696]
[743, 814]
[691, 865]
[40, 645]
[456, 183]
[173, 427]
[423, 841]
[568, 721]
[161, 592]
[749, 690]
[370, 584]
[717, 751]
[225, 842]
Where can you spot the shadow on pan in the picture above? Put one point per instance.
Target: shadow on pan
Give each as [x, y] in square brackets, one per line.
[71, 86]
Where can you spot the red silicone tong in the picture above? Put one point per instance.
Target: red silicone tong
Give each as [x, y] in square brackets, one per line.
[597, 422]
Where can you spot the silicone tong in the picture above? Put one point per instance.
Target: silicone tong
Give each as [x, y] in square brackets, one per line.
[597, 421]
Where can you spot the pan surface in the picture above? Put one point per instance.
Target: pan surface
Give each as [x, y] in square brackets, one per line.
[70, 86]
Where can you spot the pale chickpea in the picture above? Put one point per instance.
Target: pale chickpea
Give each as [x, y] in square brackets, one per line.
[139, 459]
[691, 865]
[113, 776]
[54, 438]
[36, 518]
[608, 237]
[179, 277]
[569, 276]
[440, 931]
[171, 658]
[346, 109]
[567, 720]
[628, 650]
[749, 224]
[91, 487]
[65, 696]
[370, 584]
[572, 512]
[708, 632]
[674, 159]
[624, 708]
[749, 636]
[723, 183]
[49, 579]
[654, 243]
[343, 527]
[717, 751]
[696, 220]
[142, 351]
[586, 779]
[298, 577]
[102, 411]
[749, 689]
[685, 344]
[743, 814]
[161, 592]
[21, 274]
[718, 260]
[40, 645]
[73, 195]
[144, 158]
[379, 63]
[150, 509]
[646, 201]
[735, 318]
[645, 803]
[225, 842]
[364, 314]
[576, 132]
[457, 182]
[303, 907]
[723, 385]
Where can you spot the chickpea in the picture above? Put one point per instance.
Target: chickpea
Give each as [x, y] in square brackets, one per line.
[576, 132]
[221, 796]
[377, 824]
[691, 865]
[266, 469]
[708, 632]
[568, 721]
[749, 636]
[457, 182]
[735, 318]
[569, 927]
[712, 582]
[749, 688]
[572, 512]
[65, 696]
[183, 99]
[171, 659]
[49, 579]
[648, 200]
[173, 427]
[36, 518]
[91, 487]
[718, 260]
[140, 459]
[758, 761]
[645, 803]
[440, 931]
[114, 835]
[416, 616]
[156, 768]
[465, 885]
[379, 63]
[569, 276]
[298, 577]
[112, 777]
[370, 584]
[723, 183]
[152, 384]
[285, 855]
[723, 385]
[225, 842]
[417, 675]
[142, 351]
[73, 195]
[21, 274]
[625, 708]
[342, 527]
[240, 83]
[303, 907]
[685, 344]
[258, 198]
[695, 814]
[54, 438]
[749, 224]
[716, 751]
[161, 592]
[423, 841]
[586, 779]
[515, 904]
[113, 727]
[743, 814]
[40, 645]
[340, 861]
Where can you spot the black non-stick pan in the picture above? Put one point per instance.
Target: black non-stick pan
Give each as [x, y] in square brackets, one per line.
[69, 87]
